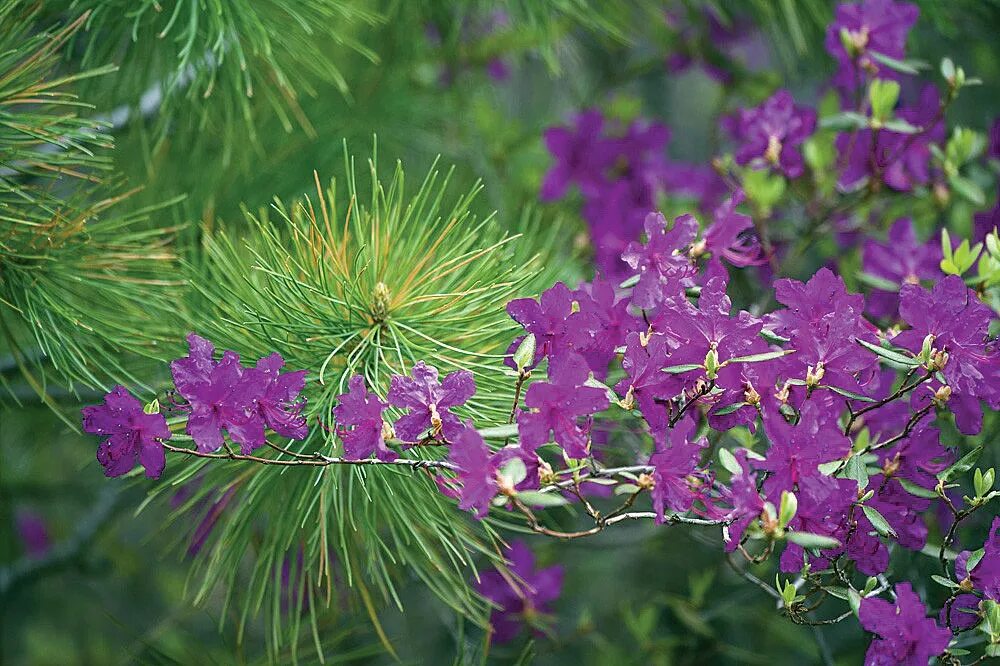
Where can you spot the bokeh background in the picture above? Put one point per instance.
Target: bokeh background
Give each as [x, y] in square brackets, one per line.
[86, 579]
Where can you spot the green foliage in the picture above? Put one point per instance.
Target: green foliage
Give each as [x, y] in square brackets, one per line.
[200, 63]
[80, 281]
[363, 283]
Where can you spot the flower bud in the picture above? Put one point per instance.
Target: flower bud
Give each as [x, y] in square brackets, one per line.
[751, 396]
[646, 481]
[712, 364]
[387, 432]
[815, 375]
[773, 152]
[942, 395]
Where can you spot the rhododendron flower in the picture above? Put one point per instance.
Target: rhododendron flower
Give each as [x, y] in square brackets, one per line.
[556, 327]
[476, 471]
[695, 333]
[769, 135]
[958, 325]
[824, 323]
[662, 262]
[429, 402]
[900, 160]
[557, 406]
[985, 576]
[361, 412]
[900, 260]
[674, 465]
[217, 394]
[520, 596]
[646, 384]
[879, 26]
[611, 319]
[905, 635]
[729, 237]
[278, 404]
[582, 155]
[132, 434]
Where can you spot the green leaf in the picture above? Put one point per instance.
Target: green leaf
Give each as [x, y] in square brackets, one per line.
[729, 462]
[848, 394]
[904, 66]
[947, 69]
[535, 498]
[729, 409]
[788, 509]
[968, 189]
[900, 126]
[680, 369]
[525, 354]
[630, 282]
[889, 354]
[878, 521]
[916, 490]
[961, 466]
[626, 489]
[846, 120]
[810, 540]
[945, 582]
[877, 282]
[974, 559]
[856, 470]
[498, 432]
[514, 471]
[773, 337]
[882, 96]
[763, 356]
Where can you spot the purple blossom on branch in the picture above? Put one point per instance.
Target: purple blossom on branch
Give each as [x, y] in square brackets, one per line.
[557, 405]
[359, 422]
[131, 434]
[900, 260]
[476, 471]
[870, 26]
[904, 633]
[429, 402]
[769, 135]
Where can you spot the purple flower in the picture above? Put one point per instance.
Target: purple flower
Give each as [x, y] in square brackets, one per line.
[879, 26]
[582, 155]
[220, 395]
[131, 434]
[900, 260]
[557, 406]
[994, 148]
[959, 325]
[362, 411]
[429, 402]
[477, 470]
[277, 405]
[730, 237]
[674, 465]
[599, 303]
[902, 161]
[662, 261]
[964, 612]
[769, 135]
[824, 323]
[985, 576]
[646, 384]
[554, 324]
[522, 595]
[694, 333]
[905, 635]
[748, 505]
